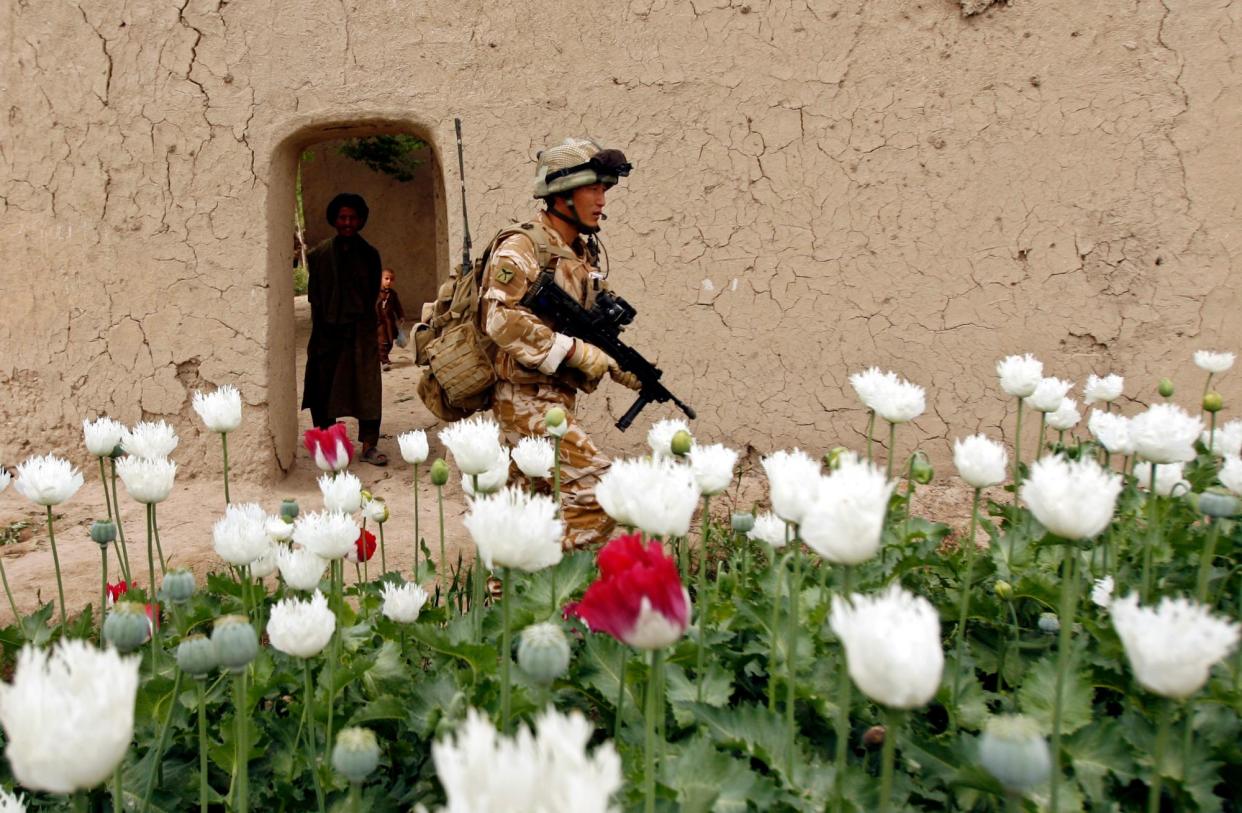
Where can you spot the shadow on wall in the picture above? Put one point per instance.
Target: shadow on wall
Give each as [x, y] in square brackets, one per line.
[407, 224]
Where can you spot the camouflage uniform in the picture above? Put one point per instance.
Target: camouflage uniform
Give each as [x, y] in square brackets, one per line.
[529, 356]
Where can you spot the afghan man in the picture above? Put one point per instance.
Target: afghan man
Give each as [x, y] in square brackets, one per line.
[342, 359]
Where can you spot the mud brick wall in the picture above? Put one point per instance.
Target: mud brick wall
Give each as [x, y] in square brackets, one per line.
[819, 185]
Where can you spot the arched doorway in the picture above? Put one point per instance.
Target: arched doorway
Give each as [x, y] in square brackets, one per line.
[408, 224]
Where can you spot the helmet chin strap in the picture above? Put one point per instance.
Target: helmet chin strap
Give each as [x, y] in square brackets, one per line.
[573, 219]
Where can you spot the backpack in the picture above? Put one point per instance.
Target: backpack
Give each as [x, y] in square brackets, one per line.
[449, 342]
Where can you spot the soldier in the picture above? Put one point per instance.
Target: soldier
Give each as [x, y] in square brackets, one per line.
[537, 367]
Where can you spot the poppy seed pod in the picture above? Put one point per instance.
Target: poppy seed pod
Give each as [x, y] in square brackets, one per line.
[235, 641]
[1213, 402]
[439, 473]
[1216, 502]
[178, 585]
[833, 457]
[682, 441]
[1015, 753]
[1165, 388]
[196, 656]
[103, 532]
[356, 753]
[543, 652]
[1049, 623]
[742, 523]
[289, 509]
[554, 422]
[921, 470]
[127, 626]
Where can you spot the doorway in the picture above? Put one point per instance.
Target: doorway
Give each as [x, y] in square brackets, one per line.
[396, 168]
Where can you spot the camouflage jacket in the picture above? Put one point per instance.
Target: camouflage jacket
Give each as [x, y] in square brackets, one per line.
[528, 349]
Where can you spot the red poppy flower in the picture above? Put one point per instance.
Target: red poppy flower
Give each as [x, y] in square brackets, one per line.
[330, 447]
[364, 548]
[638, 598]
[115, 591]
[153, 614]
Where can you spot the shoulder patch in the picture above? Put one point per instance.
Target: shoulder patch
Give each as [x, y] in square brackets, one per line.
[503, 274]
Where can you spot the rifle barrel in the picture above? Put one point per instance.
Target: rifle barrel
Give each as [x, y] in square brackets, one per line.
[465, 218]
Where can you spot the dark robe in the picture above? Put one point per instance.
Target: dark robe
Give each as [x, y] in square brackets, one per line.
[342, 360]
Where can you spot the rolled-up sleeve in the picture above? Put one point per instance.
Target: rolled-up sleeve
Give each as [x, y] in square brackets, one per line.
[512, 267]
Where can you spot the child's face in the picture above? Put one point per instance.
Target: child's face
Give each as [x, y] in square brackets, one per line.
[386, 279]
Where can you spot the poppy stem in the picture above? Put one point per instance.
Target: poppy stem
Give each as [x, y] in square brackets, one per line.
[1153, 534]
[1069, 595]
[843, 710]
[654, 708]
[203, 794]
[506, 646]
[963, 613]
[60, 585]
[160, 741]
[892, 720]
[1157, 771]
[224, 444]
[778, 569]
[791, 690]
[417, 539]
[701, 598]
[616, 720]
[443, 563]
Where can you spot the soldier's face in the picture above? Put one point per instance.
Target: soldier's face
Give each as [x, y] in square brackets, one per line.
[347, 222]
[589, 203]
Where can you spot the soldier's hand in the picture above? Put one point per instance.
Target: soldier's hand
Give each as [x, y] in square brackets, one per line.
[588, 358]
[625, 379]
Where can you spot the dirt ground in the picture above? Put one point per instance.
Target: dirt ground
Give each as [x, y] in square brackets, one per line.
[186, 518]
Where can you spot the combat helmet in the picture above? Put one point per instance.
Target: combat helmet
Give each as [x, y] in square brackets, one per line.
[577, 162]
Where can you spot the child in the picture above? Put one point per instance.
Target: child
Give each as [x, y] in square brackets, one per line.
[389, 314]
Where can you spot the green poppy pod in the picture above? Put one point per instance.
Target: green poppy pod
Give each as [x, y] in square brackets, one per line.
[127, 626]
[178, 585]
[236, 642]
[196, 656]
[356, 753]
[103, 532]
[543, 652]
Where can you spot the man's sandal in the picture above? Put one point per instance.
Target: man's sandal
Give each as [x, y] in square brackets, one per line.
[374, 456]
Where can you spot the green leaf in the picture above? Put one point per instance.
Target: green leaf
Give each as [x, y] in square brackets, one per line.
[481, 658]
[752, 729]
[682, 691]
[600, 663]
[431, 703]
[570, 575]
[708, 780]
[34, 626]
[1038, 694]
[1096, 752]
[388, 707]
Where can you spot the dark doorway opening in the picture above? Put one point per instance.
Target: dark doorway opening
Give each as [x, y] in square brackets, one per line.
[396, 167]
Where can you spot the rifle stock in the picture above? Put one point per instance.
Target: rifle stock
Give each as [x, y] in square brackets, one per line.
[550, 301]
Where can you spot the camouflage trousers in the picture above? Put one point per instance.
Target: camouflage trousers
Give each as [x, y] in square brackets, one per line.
[520, 410]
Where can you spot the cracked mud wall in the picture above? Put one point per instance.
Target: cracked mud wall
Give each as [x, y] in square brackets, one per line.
[819, 186]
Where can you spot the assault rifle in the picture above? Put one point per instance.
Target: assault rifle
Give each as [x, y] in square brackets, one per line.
[601, 326]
